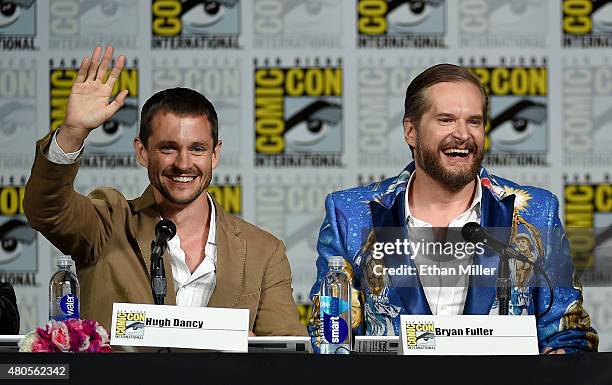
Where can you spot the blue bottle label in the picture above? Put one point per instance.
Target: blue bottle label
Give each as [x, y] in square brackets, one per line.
[69, 305]
[335, 328]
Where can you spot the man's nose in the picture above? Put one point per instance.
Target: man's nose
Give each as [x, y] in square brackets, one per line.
[183, 160]
[461, 130]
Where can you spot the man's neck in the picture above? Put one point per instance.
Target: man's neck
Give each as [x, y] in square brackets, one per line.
[189, 219]
[434, 203]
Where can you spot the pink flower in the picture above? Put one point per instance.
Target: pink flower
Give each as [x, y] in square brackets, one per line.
[60, 336]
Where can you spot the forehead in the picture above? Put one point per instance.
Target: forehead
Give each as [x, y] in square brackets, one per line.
[463, 96]
[167, 125]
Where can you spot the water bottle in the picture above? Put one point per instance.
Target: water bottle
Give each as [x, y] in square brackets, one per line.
[64, 291]
[335, 306]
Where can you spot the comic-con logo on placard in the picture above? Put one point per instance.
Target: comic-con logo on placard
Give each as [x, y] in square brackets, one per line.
[18, 106]
[195, 24]
[587, 112]
[588, 223]
[492, 23]
[220, 80]
[18, 245]
[401, 24]
[516, 133]
[17, 25]
[586, 23]
[110, 145]
[82, 24]
[130, 324]
[227, 191]
[298, 113]
[298, 24]
[420, 335]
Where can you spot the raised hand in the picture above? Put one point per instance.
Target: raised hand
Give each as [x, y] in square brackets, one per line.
[88, 105]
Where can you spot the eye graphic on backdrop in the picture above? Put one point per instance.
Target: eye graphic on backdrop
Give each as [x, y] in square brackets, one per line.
[513, 11]
[404, 14]
[15, 119]
[517, 123]
[312, 124]
[113, 130]
[9, 12]
[303, 14]
[14, 235]
[602, 16]
[97, 14]
[201, 14]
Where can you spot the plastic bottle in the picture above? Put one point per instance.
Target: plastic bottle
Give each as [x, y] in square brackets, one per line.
[64, 291]
[335, 306]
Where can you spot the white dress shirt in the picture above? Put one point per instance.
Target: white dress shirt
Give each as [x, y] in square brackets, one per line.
[443, 300]
[191, 289]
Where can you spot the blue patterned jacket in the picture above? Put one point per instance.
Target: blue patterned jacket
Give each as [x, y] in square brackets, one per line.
[348, 231]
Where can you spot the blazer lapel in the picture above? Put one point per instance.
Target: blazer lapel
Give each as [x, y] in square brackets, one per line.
[231, 258]
[496, 216]
[389, 224]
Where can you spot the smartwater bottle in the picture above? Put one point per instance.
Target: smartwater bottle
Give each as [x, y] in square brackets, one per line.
[335, 306]
[64, 291]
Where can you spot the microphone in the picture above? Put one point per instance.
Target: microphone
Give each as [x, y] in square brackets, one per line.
[473, 232]
[164, 231]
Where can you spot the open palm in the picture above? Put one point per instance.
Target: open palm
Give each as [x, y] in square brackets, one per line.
[88, 105]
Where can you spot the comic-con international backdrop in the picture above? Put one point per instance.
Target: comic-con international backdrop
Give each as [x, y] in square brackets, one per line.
[310, 100]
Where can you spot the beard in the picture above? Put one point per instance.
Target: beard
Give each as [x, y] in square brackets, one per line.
[430, 161]
[166, 193]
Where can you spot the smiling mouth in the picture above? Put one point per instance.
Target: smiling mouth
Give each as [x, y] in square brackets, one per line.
[181, 179]
[457, 153]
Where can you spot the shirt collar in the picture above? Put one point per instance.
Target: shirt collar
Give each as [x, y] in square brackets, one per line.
[473, 206]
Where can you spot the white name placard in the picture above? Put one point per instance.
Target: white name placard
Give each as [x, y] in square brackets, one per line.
[468, 335]
[180, 327]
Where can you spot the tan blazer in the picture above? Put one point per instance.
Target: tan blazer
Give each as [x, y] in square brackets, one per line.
[109, 237]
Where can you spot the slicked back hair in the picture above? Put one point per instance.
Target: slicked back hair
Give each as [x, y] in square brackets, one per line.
[179, 101]
[416, 103]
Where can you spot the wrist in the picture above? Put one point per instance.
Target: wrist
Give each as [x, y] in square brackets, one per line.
[71, 139]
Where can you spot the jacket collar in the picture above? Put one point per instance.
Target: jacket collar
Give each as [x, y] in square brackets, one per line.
[398, 186]
[231, 250]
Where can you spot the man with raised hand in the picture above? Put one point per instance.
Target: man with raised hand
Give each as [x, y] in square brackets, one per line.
[446, 187]
[215, 259]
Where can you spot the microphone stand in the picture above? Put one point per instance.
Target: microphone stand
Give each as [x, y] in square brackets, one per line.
[158, 274]
[503, 284]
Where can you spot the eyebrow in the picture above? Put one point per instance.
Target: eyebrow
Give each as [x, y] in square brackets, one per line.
[173, 143]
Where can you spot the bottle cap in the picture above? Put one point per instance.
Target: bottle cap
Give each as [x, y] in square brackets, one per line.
[335, 261]
[64, 260]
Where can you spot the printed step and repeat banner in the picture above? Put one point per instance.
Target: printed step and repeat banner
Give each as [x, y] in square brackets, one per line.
[310, 100]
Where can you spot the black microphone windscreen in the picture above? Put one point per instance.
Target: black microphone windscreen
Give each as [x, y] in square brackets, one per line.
[472, 232]
[165, 227]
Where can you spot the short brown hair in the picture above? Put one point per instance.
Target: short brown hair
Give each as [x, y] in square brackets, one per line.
[179, 101]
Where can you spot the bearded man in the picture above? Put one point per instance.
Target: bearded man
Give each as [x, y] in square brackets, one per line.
[445, 188]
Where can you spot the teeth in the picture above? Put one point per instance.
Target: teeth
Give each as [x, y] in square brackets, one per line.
[457, 151]
[182, 179]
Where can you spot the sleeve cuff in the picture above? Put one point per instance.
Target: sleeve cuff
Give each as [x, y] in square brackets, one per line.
[55, 153]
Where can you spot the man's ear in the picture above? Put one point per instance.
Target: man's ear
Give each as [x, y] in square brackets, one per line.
[141, 152]
[410, 132]
[216, 155]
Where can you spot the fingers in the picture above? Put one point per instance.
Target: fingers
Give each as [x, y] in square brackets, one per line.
[83, 70]
[106, 59]
[118, 102]
[114, 75]
[93, 66]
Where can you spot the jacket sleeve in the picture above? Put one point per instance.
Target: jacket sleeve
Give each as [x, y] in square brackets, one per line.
[331, 242]
[566, 325]
[75, 224]
[277, 313]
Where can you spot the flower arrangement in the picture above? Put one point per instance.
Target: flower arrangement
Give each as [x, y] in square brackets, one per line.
[73, 335]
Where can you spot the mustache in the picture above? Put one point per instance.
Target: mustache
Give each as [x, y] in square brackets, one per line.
[173, 171]
[469, 144]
